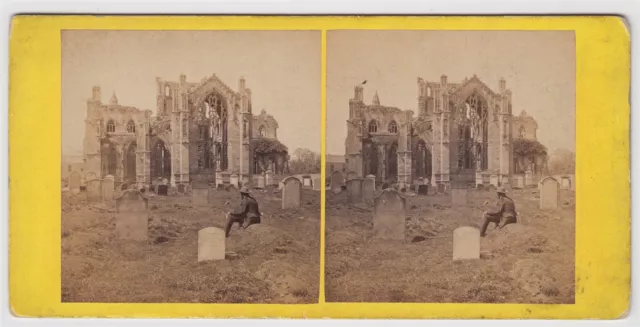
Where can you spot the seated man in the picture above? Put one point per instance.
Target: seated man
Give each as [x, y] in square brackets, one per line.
[246, 214]
[505, 209]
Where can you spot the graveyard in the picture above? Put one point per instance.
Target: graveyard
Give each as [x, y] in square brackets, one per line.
[163, 260]
[411, 258]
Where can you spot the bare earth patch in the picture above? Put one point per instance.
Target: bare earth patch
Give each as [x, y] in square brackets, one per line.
[529, 262]
[275, 262]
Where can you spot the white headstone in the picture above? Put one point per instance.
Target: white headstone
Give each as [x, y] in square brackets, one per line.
[211, 244]
[466, 243]
[493, 180]
[233, 180]
[566, 183]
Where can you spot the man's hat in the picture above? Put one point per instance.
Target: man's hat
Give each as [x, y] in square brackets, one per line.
[501, 190]
[244, 190]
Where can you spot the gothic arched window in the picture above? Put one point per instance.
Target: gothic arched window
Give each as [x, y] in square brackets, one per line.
[131, 127]
[185, 127]
[428, 91]
[111, 126]
[373, 126]
[167, 91]
[393, 127]
[522, 132]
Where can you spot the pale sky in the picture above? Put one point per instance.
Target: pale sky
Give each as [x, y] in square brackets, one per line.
[539, 68]
[282, 69]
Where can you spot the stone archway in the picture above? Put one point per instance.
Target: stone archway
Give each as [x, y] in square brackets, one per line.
[160, 161]
[470, 136]
[109, 158]
[209, 139]
[422, 160]
[129, 175]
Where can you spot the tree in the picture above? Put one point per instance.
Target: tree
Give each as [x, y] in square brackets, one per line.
[305, 162]
[562, 161]
[529, 153]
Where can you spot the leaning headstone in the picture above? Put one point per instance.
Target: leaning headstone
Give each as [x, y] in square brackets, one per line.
[74, 181]
[234, 180]
[108, 187]
[336, 182]
[354, 190]
[162, 190]
[211, 244]
[291, 192]
[423, 189]
[549, 193]
[132, 216]
[368, 189]
[94, 190]
[389, 215]
[466, 243]
[351, 175]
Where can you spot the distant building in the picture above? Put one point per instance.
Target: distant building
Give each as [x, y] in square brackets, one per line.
[335, 163]
[72, 163]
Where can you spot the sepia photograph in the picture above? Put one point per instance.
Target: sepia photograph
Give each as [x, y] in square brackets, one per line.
[450, 166]
[191, 166]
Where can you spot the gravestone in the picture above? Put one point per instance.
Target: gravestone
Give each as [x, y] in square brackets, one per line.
[180, 188]
[440, 188]
[268, 176]
[528, 178]
[351, 175]
[317, 184]
[162, 190]
[211, 244]
[478, 178]
[336, 182]
[368, 189]
[354, 190]
[423, 189]
[262, 181]
[566, 183]
[234, 181]
[132, 216]
[306, 181]
[389, 215]
[373, 178]
[74, 181]
[549, 193]
[200, 194]
[94, 190]
[108, 187]
[291, 193]
[493, 180]
[519, 181]
[466, 243]
[459, 194]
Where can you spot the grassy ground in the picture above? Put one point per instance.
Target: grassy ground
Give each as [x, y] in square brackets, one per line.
[529, 262]
[277, 261]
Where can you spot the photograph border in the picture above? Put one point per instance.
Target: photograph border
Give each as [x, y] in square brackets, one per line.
[602, 168]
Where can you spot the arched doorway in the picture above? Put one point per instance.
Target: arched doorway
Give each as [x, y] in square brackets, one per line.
[160, 161]
[422, 160]
[109, 158]
[130, 164]
[392, 162]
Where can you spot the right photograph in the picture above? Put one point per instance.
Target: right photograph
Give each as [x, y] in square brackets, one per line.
[450, 159]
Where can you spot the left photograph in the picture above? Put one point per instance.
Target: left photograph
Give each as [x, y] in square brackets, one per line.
[191, 166]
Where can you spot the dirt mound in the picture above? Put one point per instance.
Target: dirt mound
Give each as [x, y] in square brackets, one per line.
[285, 280]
